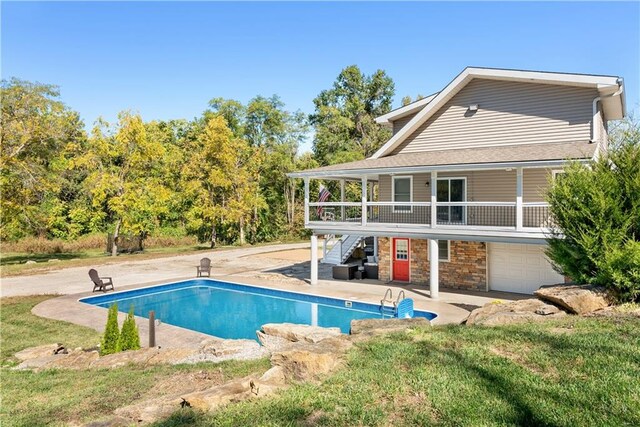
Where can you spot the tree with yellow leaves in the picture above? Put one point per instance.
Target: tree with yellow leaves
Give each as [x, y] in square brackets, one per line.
[125, 170]
[220, 180]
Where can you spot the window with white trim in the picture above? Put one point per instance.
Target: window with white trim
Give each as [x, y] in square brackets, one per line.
[451, 190]
[443, 250]
[402, 189]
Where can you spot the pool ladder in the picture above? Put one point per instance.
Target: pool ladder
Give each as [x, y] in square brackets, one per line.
[392, 308]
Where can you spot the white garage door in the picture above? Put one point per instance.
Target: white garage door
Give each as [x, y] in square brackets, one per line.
[519, 268]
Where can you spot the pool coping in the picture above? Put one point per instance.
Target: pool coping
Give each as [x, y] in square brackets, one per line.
[69, 308]
[307, 297]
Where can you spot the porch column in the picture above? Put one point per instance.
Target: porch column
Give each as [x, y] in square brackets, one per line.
[314, 259]
[433, 269]
[375, 247]
[434, 197]
[364, 201]
[342, 208]
[518, 198]
[306, 201]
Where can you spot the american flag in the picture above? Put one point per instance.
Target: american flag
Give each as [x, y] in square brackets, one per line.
[323, 196]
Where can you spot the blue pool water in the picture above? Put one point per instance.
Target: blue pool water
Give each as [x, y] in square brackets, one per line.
[229, 310]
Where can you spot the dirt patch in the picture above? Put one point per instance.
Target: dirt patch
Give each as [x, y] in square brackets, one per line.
[299, 255]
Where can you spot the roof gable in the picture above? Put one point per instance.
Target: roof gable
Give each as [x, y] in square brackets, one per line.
[606, 85]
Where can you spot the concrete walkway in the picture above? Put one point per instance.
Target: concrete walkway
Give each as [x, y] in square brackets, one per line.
[125, 273]
[278, 266]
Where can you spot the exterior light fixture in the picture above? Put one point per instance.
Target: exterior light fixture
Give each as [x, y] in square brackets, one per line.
[473, 107]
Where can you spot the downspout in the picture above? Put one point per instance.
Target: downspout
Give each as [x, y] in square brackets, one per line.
[594, 107]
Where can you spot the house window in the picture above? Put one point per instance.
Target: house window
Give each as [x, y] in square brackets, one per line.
[402, 192]
[451, 190]
[556, 173]
[443, 250]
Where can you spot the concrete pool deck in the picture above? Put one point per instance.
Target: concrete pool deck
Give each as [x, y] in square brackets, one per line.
[279, 267]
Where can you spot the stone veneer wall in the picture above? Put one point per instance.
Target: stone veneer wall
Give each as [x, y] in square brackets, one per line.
[467, 268]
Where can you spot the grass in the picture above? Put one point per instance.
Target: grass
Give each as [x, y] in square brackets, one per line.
[21, 329]
[62, 397]
[573, 372]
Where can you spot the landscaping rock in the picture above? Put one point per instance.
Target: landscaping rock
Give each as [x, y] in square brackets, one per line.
[37, 352]
[221, 347]
[275, 375]
[371, 327]
[233, 391]
[74, 360]
[30, 262]
[573, 298]
[150, 411]
[294, 332]
[528, 310]
[272, 343]
[40, 363]
[145, 356]
[303, 361]
[110, 422]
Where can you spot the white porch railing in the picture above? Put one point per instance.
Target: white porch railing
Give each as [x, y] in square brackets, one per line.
[459, 214]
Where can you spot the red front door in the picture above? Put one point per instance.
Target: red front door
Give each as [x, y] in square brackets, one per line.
[401, 260]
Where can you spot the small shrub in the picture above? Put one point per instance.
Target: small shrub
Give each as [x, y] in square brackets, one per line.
[111, 340]
[129, 337]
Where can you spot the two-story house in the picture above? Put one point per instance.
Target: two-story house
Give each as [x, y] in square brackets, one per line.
[455, 198]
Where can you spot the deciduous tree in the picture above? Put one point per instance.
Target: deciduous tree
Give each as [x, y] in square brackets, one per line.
[344, 118]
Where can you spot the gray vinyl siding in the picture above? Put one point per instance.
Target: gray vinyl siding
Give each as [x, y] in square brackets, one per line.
[399, 124]
[482, 186]
[510, 113]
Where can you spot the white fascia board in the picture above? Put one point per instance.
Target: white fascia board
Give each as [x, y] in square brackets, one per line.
[424, 169]
[417, 120]
[545, 77]
[426, 232]
[470, 73]
[404, 111]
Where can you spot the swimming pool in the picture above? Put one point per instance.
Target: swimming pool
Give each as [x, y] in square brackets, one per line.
[232, 310]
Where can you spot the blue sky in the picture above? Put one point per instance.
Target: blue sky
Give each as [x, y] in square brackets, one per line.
[168, 59]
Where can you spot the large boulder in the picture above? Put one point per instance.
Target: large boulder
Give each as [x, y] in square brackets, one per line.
[151, 410]
[371, 327]
[75, 360]
[218, 349]
[574, 298]
[303, 361]
[294, 332]
[233, 391]
[528, 310]
[37, 352]
[272, 343]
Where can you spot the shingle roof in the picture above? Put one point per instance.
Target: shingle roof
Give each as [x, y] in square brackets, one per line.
[467, 156]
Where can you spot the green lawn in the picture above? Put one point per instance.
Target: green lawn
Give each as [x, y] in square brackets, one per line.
[62, 397]
[570, 372]
[575, 372]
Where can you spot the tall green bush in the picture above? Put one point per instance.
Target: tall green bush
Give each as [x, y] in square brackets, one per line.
[111, 340]
[129, 337]
[596, 211]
